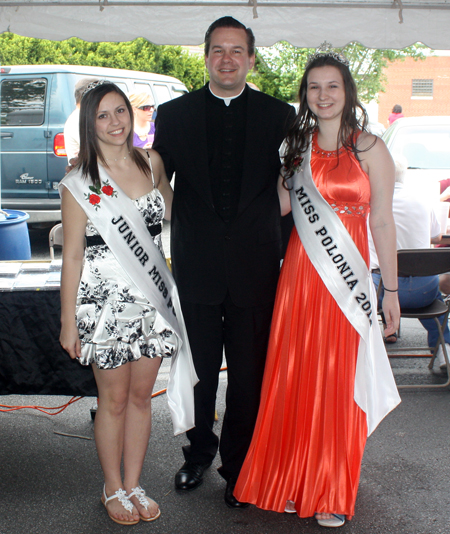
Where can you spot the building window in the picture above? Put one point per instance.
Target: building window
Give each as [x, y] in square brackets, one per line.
[422, 88]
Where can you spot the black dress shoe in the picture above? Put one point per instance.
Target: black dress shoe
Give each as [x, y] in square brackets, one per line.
[230, 499]
[190, 476]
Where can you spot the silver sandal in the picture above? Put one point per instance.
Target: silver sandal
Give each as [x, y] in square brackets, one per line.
[290, 507]
[143, 501]
[124, 500]
[335, 521]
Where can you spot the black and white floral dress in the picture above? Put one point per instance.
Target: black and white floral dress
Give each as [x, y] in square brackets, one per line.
[116, 322]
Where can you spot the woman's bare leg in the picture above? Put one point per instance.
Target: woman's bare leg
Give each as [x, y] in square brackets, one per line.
[138, 423]
[109, 429]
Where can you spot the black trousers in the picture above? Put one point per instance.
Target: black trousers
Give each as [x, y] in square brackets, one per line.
[244, 334]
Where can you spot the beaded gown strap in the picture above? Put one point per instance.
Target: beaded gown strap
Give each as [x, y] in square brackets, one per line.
[151, 168]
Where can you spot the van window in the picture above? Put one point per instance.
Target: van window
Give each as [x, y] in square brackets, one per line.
[122, 86]
[23, 102]
[143, 88]
[162, 93]
[178, 91]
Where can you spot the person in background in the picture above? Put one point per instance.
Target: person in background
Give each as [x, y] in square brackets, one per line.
[71, 127]
[444, 283]
[144, 127]
[316, 407]
[223, 142]
[417, 227]
[444, 190]
[395, 114]
[253, 86]
[444, 279]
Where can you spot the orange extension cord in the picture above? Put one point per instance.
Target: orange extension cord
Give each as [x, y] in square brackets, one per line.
[58, 409]
[43, 409]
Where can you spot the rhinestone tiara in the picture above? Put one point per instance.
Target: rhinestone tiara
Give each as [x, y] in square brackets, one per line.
[326, 50]
[94, 84]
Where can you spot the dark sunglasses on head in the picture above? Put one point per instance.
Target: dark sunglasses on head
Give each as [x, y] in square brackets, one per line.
[146, 108]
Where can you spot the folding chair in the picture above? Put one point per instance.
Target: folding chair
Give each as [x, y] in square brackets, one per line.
[55, 238]
[424, 262]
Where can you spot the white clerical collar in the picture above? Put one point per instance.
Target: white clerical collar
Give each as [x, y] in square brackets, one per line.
[228, 99]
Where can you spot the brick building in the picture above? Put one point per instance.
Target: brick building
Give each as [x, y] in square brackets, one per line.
[420, 87]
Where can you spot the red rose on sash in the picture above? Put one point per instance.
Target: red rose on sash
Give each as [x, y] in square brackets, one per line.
[94, 199]
[108, 190]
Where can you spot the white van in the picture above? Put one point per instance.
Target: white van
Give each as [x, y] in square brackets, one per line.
[35, 103]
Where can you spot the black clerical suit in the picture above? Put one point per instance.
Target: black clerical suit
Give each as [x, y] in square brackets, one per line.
[225, 249]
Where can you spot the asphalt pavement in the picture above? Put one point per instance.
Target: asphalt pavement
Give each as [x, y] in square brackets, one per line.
[51, 483]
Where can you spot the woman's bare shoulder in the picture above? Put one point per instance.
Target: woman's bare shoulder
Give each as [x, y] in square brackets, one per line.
[366, 141]
[150, 153]
[371, 146]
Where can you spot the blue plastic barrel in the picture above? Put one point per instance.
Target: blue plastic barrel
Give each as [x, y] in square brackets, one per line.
[14, 236]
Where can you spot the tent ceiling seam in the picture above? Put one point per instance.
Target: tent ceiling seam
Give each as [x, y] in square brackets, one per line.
[208, 3]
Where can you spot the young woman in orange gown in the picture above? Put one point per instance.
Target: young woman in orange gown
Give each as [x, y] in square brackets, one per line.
[306, 452]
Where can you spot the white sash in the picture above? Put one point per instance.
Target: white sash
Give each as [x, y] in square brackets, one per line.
[123, 229]
[344, 272]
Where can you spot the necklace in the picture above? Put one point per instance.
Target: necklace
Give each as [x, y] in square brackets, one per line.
[118, 159]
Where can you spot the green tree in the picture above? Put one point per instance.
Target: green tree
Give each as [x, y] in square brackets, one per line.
[139, 54]
[14, 50]
[367, 64]
[282, 66]
[278, 69]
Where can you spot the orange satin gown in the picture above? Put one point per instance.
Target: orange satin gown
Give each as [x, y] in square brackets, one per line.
[310, 434]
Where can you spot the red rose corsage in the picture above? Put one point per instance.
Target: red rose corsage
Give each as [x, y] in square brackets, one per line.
[94, 198]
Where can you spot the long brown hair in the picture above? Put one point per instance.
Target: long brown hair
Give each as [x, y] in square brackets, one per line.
[90, 151]
[353, 120]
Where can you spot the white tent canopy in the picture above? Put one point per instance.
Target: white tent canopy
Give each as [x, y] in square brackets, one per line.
[376, 23]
